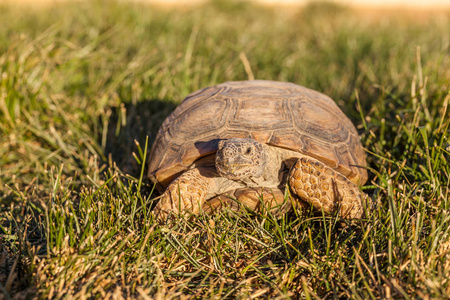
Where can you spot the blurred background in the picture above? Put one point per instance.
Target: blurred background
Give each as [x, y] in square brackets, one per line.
[374, 3]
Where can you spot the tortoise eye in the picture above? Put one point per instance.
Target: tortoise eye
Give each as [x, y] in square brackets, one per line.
[248, 150]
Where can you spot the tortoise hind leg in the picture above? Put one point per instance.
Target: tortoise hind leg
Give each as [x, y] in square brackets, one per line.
[254, 199]
[326, 189]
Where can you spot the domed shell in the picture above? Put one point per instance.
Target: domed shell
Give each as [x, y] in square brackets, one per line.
[278, 114]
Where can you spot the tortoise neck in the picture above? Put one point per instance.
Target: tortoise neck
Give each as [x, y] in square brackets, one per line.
[274, 163]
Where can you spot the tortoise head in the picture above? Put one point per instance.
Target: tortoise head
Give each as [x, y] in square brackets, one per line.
[240, 158]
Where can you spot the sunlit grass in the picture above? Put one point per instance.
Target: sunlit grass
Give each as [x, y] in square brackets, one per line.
[82, 85]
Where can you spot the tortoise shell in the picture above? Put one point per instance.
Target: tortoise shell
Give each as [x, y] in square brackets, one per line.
[278, 114]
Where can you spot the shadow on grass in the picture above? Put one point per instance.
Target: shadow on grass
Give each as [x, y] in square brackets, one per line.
[133, 122]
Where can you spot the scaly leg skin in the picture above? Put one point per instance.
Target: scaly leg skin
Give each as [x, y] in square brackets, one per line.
[187, 193]
[274, 200]
[326, 189]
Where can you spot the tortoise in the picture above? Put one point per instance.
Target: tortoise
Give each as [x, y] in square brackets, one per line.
[247, 141]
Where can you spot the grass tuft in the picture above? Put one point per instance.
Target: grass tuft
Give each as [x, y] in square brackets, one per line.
[84, 88]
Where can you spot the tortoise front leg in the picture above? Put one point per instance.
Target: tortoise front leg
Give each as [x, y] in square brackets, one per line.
[187, 193]
[252, 198]
[325, 188]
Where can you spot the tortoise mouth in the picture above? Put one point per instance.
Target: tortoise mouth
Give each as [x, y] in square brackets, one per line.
[234, 163]
[232, 166]
[234, 171]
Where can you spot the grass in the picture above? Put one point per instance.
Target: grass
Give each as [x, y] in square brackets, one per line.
[83, 84]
